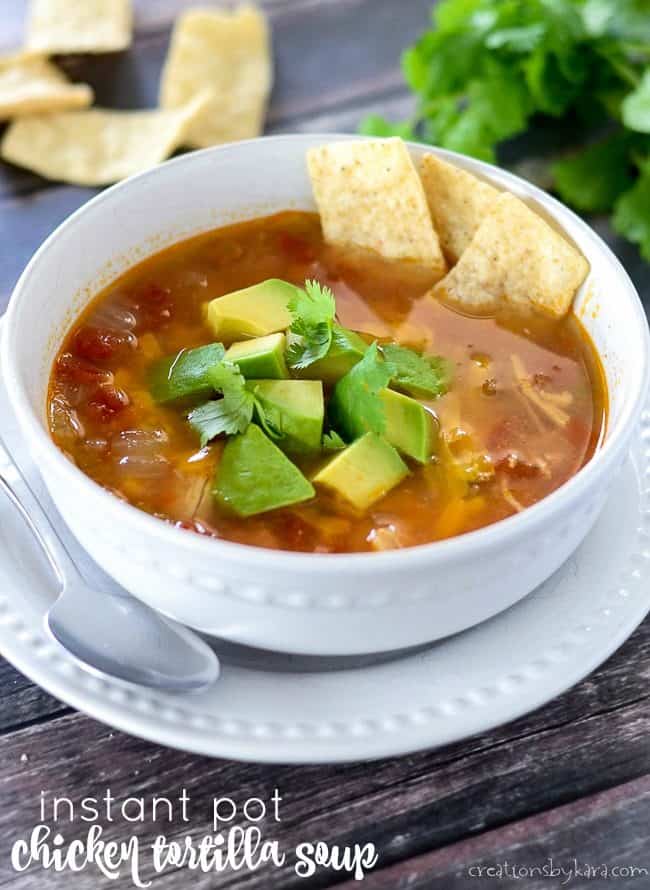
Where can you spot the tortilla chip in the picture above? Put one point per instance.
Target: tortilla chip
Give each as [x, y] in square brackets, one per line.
[79, 26]
[458, 203]
[29, 84]
[369, 195]
[515, 256]
[97, 146]
[229, 54]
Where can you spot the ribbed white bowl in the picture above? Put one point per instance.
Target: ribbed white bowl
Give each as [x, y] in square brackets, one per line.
[328, 604]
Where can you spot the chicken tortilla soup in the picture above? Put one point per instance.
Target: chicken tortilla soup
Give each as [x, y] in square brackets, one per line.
[394, 370]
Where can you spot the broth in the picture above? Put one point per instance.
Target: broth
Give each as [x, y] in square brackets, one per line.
[525, 411]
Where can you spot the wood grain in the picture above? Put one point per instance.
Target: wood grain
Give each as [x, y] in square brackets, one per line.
[22, 703]
[609, 829]
[406, 806]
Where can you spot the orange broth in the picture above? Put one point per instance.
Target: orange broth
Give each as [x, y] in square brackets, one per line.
[526, 407]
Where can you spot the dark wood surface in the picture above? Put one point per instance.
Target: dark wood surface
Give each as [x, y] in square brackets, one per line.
[571, 781]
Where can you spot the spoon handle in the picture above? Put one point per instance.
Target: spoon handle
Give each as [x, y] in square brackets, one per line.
[18, 492]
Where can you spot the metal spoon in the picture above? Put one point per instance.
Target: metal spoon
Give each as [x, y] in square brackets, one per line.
[101, 625]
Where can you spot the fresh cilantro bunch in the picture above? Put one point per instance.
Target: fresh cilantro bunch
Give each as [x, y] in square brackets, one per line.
[312, 309]
[487, 67]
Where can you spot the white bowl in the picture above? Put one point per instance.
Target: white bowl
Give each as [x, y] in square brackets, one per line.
[327, 604]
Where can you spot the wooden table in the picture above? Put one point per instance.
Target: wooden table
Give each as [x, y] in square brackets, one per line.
[571, 780]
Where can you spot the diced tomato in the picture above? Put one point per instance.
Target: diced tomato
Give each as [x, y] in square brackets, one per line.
[99, 344]
[106, 402]
[78, 370]
[153, 306]
[294, 530]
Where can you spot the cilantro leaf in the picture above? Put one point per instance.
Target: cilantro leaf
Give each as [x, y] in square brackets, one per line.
[593, 179]
[230, 414]
[355, 406]
[632, 213]
[376, 125]
[636, 106]
[332, 442]
[185, 375]
[622, 19]
[424, 376]
[313, 310]
[312, 305]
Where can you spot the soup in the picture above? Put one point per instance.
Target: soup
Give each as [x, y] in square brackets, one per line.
[520, 408]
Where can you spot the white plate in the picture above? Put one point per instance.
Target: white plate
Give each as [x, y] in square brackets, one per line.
[271, 710]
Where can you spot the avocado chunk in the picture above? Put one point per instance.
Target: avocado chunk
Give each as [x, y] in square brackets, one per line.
[346, 350]
[262, 357]
[254, 476]
[186, 375]
[409, 426]
[252, 312]
[294, 409]
[364, 472]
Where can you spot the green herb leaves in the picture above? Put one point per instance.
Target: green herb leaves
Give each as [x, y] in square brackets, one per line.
[313, 310]
[636, 106]
[291, 411]
[486, 67]
[185, 375]
[632, 216]
[332, 442]
[230, 414]
[421, 376]
[595, 178]
[355, 407]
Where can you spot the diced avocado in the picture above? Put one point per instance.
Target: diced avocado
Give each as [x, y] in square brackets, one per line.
[346, 350]
[409, 426]
[252, 312]
[254, 476]
[185, 375]
[364, 471]
[261, 357]
[293, 408]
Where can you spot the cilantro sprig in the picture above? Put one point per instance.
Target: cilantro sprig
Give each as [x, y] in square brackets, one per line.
[233, 412]
[229, 415]
[332, 442]
[424, 376]
[486, 68]
[313, 310]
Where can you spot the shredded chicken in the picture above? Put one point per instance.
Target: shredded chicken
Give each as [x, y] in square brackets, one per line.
[546, 402]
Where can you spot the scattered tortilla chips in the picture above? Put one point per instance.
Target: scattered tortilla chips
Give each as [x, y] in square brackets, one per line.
[79, 26]
[369, 195]
[229, 54]
[29, 84]
[458, 202]
[517, 257]
[97, 146]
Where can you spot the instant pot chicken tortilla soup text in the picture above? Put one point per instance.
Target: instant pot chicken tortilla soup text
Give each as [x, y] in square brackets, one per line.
[322, 383]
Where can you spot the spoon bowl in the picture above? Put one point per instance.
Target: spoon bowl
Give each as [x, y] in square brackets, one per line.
[106, 629]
